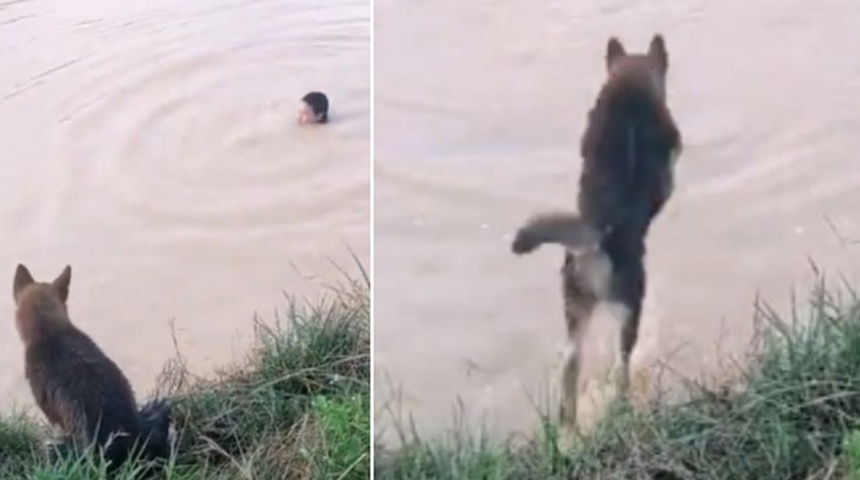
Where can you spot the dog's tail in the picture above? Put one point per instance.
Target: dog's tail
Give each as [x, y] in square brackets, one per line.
[155, 428]
[566, 229]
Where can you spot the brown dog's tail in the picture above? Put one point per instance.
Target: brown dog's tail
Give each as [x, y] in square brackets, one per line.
[566, 229]
[155, 427]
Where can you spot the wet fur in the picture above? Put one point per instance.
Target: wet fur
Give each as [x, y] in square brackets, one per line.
[628, 151]
[77, 387]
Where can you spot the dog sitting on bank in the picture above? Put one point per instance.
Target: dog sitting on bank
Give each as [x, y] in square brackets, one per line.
[77, 387]
[629, 148]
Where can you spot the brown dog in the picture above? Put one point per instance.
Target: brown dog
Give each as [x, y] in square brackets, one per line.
[77, 387]
[628, 150]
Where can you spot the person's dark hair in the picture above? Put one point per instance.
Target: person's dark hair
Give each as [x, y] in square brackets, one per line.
[319, 104]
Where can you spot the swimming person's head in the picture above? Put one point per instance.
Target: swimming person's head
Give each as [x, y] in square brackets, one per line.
[314, 108]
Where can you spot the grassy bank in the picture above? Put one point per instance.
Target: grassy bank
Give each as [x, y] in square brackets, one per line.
[795, 414]
[298, 407]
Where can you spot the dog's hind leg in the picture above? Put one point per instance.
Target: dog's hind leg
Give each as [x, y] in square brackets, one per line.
[628, 292]
[59, 448]
[579, 304]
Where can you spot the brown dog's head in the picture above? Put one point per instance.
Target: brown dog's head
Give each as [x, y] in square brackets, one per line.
[40, 304]
[654, 64]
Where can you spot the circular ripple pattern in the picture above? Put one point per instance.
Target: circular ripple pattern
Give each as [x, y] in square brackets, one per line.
[204, 134]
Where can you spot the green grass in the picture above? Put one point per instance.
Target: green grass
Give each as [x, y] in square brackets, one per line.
[852, 455]
[344, 423]
[793, 414]
[298, 407]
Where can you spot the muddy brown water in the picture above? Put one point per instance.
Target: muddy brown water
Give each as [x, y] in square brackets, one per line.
[154, 147]
[479, 108]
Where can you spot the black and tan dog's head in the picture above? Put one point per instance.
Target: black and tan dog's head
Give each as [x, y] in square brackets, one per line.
[652, 66]
[40, 306]
[632, 99]
[24, 285]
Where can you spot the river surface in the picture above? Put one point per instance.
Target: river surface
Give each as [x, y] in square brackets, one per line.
[479, 109]
[154, 147]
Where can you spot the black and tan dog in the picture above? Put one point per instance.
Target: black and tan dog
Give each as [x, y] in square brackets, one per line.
[77, 387]
[628, 150]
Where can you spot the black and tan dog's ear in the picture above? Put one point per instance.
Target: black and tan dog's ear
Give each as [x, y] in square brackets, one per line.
[61, 283]
[614, 51]
[657, 52]
[23, 278]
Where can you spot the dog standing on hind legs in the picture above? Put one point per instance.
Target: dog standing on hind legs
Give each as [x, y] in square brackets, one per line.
[629, 148]
[77, 387]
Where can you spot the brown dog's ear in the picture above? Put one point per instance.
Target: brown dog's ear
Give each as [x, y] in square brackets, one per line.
[614, 50]
[22, 279]
[62, 282]
[657, 52]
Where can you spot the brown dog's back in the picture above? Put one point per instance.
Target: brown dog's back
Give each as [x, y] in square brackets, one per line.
[628, 149]
[82, 390]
